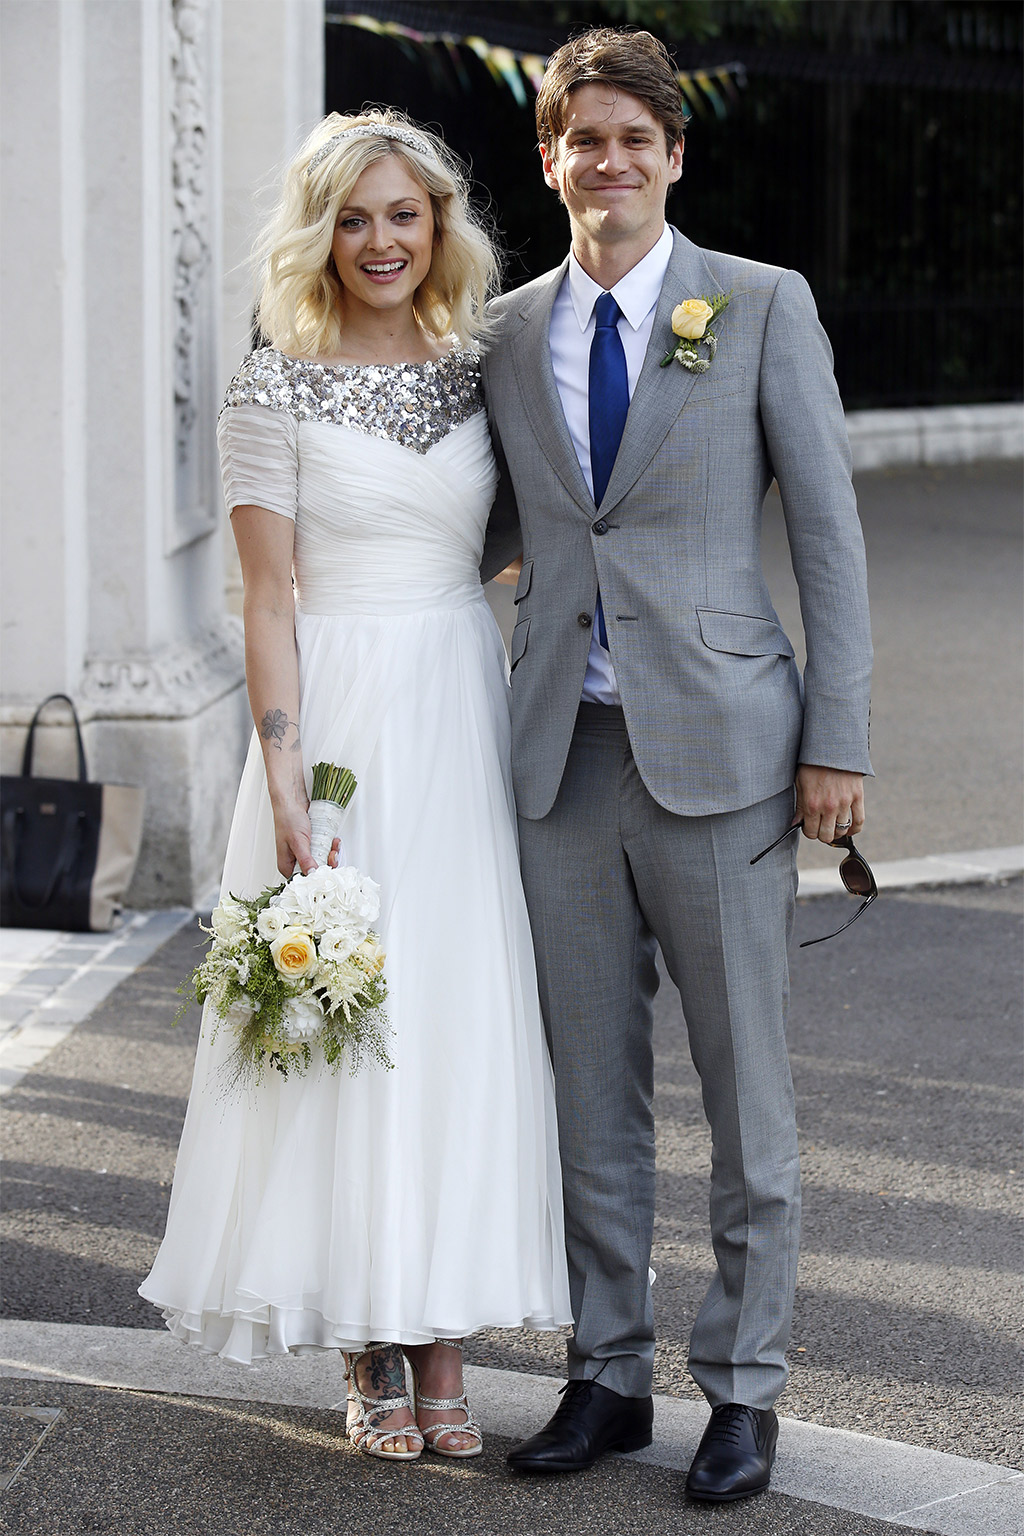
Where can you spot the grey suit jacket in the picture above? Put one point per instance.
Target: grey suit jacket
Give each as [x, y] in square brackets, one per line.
[717, 715]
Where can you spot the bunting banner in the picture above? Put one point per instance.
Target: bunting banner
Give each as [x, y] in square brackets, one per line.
[703, 90]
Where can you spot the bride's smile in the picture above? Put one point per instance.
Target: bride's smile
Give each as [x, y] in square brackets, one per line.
[384, 237]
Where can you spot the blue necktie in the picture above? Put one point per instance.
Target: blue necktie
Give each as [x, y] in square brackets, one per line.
[608, 406]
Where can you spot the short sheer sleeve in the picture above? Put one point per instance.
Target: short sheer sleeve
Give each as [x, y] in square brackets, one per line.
[259, 458]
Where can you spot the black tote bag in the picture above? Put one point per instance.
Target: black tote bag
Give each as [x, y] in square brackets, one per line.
[68, 847]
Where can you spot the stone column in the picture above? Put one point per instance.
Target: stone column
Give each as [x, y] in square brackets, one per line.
[273, 73]
[111, 372]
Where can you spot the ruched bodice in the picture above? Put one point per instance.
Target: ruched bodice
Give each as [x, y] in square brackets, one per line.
[386, 470]
[381, 529]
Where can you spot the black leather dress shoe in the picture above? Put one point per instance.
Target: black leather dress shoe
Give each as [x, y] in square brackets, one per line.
[735, 1455]
[589, 1421]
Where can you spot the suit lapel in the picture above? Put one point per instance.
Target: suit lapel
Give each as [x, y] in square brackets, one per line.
[531, 355]
[660, 393]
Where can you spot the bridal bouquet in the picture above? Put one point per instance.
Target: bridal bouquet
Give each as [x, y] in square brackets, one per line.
[299, 967]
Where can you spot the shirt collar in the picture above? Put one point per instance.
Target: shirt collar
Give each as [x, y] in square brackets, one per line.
[636, 294]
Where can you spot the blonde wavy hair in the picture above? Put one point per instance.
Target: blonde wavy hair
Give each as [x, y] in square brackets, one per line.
[300, 293]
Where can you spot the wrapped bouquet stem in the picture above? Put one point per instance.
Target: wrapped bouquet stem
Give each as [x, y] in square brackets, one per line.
[298, 971]
[332, 790]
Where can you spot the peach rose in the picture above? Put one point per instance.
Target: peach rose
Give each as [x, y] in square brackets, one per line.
[293, 953]
[370, 956]
[690, 319]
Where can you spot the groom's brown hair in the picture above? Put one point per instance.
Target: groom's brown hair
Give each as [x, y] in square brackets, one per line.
[634, 62]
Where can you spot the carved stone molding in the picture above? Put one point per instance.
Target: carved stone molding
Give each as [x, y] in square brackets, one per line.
[195, 508]
[173, 684]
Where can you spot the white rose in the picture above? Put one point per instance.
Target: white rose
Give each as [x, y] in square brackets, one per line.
[230, 921]
[302, 1017]
[271, 923]
[337, 944]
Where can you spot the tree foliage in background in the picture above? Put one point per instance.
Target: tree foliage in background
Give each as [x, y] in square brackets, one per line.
[875, 148]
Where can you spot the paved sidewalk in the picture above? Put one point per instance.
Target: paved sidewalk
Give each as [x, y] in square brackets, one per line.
[902, 1404]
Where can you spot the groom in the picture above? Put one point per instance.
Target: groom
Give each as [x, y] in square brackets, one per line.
[662, 736]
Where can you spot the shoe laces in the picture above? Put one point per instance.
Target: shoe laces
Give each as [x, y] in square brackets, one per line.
[574, 1391]
[727, 1422]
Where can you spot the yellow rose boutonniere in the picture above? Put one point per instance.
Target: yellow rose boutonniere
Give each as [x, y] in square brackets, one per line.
[690, 321]
[690, 318]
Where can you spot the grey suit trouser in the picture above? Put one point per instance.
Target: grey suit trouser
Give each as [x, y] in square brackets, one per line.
[609, 876]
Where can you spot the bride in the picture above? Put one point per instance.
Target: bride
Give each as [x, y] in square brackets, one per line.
[391, 1213]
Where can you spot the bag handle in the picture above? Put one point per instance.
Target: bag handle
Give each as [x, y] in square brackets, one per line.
[26, 760]
[63, 864]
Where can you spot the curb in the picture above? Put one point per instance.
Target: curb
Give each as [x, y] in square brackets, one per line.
[984, 867]
[926, 1490]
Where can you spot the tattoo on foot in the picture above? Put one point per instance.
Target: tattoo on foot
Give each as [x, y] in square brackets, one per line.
[387, 1372]
[274, 727]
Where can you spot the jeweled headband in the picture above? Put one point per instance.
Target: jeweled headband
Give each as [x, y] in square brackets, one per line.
[372, 131]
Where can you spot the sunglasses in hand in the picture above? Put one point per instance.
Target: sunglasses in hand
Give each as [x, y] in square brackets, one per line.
[854, 871]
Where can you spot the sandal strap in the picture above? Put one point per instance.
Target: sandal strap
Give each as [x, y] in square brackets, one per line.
[379, 1404]
[366, 1434]
[433, 1431]
[437, 1404]
[363, 1429]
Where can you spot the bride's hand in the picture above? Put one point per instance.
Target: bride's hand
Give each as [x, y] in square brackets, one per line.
[509, 577]
[293, 843]
[291, 830]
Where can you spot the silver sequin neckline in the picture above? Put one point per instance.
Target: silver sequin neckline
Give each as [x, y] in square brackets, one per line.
[414, 404]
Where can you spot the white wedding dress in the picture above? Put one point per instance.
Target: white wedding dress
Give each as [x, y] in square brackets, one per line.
[425, 1201]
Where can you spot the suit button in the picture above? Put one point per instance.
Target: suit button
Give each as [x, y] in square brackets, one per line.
[600, 526]
[584, 620]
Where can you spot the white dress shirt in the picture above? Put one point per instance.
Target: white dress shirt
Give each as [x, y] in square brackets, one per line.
[570, 336]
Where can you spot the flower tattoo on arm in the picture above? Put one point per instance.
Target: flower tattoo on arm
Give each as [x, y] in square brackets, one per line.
[274, 728]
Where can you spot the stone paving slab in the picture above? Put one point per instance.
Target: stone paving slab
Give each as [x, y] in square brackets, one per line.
[49, 982]
[861, 1474]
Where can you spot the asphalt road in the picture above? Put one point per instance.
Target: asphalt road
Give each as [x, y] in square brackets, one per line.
[906, 1054]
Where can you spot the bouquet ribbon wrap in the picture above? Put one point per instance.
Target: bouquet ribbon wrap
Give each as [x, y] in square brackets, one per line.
[332, 790]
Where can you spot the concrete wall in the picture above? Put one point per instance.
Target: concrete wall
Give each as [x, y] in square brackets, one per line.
[132, 134]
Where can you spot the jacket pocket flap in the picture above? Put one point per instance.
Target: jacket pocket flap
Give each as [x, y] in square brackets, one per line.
[713, 385]
[742, 634]
[523, 584]
[518, 645]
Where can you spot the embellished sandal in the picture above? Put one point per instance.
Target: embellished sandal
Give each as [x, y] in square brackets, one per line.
[434, 1432]
[363, 1424]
